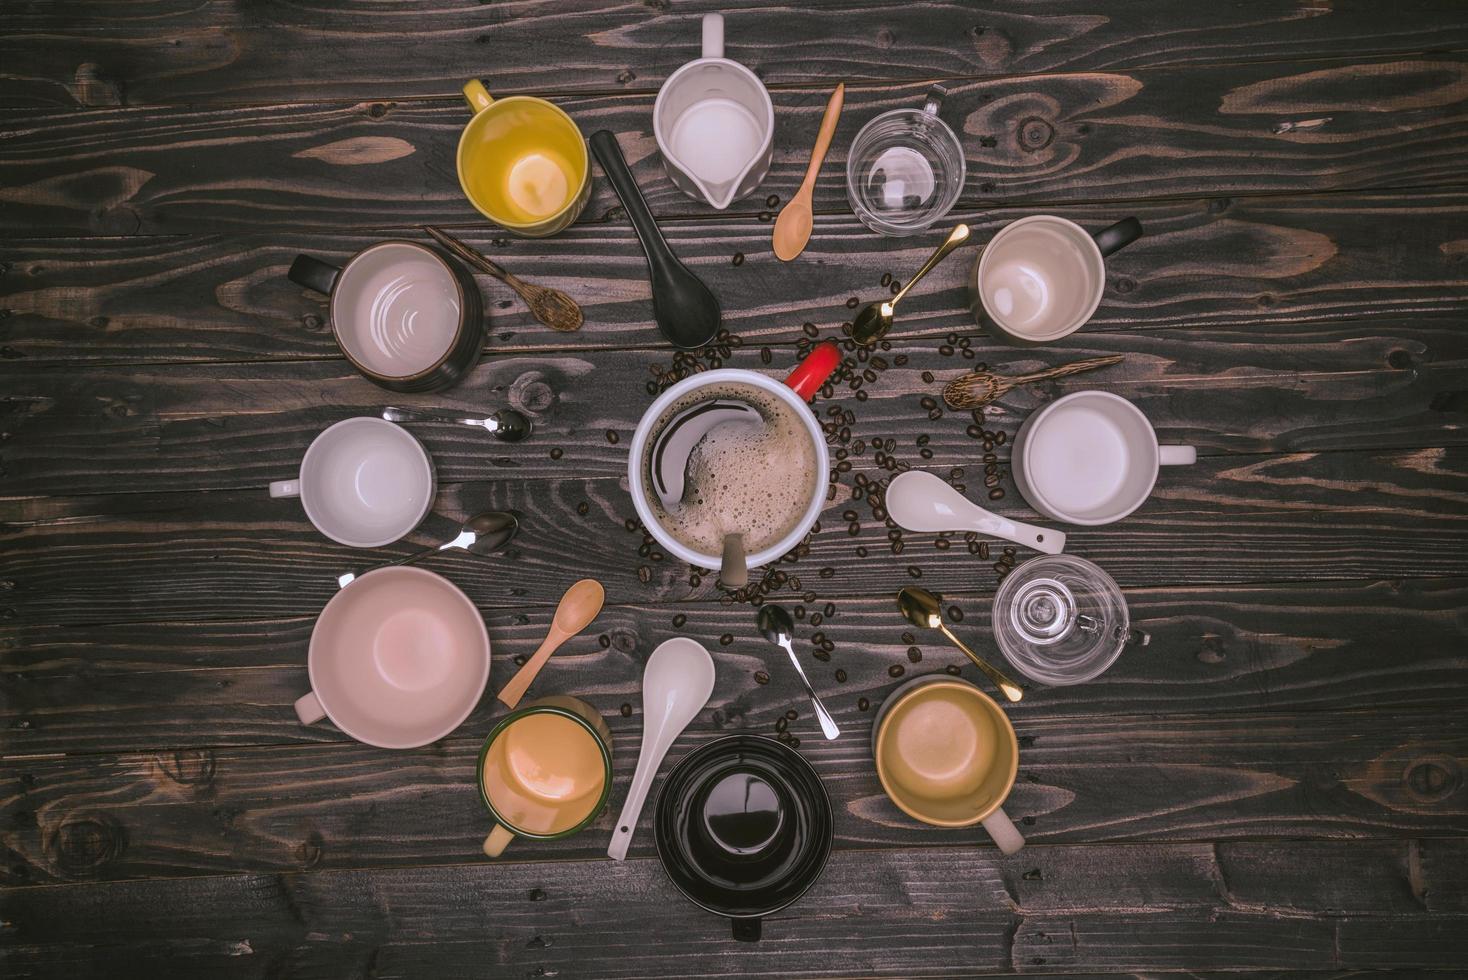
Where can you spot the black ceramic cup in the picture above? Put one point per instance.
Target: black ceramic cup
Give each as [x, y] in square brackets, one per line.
[743, 828]
[403, 315]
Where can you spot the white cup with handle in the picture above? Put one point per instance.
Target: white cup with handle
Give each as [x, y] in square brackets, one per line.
[1090, 458]
[364, 482]
[714, 124]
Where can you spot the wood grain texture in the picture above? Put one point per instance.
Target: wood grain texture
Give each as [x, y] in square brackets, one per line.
[1264, 266]
[1261, 648]
[923, 912]
[311, 166]
[175, 51]
[240, 555]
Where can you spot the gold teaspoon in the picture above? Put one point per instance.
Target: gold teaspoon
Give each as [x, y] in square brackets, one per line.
[925, 609]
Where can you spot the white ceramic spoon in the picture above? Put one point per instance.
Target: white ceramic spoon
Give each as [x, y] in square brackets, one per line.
[920, 501]
[675, 686]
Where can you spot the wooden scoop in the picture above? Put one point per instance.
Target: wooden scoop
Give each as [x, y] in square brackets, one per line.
[579, 606]
[793, 226]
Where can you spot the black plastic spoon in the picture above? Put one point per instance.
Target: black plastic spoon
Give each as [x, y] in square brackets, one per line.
[685, 310]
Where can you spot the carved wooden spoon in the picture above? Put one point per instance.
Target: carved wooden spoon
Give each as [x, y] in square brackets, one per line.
[979, 388]
[579, 606]
[793, 226]
[550, 306]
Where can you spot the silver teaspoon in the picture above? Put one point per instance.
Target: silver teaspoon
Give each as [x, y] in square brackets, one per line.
[506, 425]
[777, 626]
[480, 535]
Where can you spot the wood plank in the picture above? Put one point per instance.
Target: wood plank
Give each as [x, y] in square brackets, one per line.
[1085, 776]
[923, 912]
[1261, 265]
[239, 555]
[1313, 387]
[173, 51]
[1055, 138]
[1264, 648]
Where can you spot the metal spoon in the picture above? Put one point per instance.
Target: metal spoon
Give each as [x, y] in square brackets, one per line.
[506, 425]
[777, 626]
[925, 609]
[578, 607]
[675, 686]
[685, 309]
[875, 319]
[480, 535]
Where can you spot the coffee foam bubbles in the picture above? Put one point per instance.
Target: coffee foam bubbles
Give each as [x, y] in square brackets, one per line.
[752, 479]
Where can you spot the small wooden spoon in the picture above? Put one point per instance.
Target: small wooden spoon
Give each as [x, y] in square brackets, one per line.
[579, 606]
[792, 228]
[550, 306]
[979, 388]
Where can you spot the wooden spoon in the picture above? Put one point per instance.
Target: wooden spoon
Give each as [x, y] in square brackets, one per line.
[550, 306]
[579, 606]
[979, 388]
[792, 228]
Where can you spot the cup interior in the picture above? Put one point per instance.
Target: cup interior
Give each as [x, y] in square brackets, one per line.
[366, 482]
[946, 754]
[544, 772]
[399, 658]
[1041, 278]
[905, 170]
[396, 310]
[1092, 457]
[715, 118]
[522, 161]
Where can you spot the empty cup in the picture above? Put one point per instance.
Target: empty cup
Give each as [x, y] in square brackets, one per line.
[905, 169]
[714, 124]
[1090, 458]
[364, 482]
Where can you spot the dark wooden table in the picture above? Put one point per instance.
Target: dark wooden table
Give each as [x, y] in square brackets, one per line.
[1275, 786]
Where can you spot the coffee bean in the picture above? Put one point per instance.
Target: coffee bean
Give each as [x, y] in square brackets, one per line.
[557, 452]
[984, 550]
[878, 362]
[869, 375]
[644, 574]
[679, 620]
[990, 458]
[760, 677]
[973, 549]
[928, 376]
[604, 640]
[582, 508]
[925, 453]
[810, 329]
[914, 654]
[897, 547]
[999, 439]
[886, 279]
[817, 618]
[738, 258]
[821, 655]
[520, 659]
[799, 612]
[612, 436]
[967, 353]
[781, 724]
[765, 355]
[996, 494]
[626, 710]
[861, 396]
[853, 303]
[896, 670]
[772, 200]
[840, 676]
[955, 614]
[946, 350]
[927, 402]
[766, 216]
[694, 581]
[941, 544]
[896, 287]
[935, 415]
[992, 480]
[630, 523]
[862, 704]
[914, 572]
[953, 669]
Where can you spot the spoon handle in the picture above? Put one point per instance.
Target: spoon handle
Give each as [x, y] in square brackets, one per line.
[512, 692]
[828, 724]
[648, 762]
[1010, 689]
[955, 238]
[660, 258]
[823, 138]
[346, 579]
[1043, 539]
[1066, 370]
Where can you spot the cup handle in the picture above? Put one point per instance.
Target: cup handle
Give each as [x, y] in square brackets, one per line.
[734, 567]
[313, 274]
[1177, 455]
[713, 35]
[1118, 236]
[747, 930]
[1004, 832]
[285, 488]
[499, 838]
[308, 708]
[477, 95]
[934, 99]
[812, 372]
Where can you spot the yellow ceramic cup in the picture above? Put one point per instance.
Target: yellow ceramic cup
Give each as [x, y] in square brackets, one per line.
[545, 771]
[523, 163]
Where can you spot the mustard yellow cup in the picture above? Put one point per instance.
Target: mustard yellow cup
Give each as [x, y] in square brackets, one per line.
[523, 163]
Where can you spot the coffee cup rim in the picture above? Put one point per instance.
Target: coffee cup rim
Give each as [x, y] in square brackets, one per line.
[1094, 251]
[912, 689]
[583, 157]
[400, 571]
[1037, 499]
[420, 457]
[643, 433]
[543, 708]
[464, 314]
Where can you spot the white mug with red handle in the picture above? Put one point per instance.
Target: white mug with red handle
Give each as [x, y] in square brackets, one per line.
[796, 390]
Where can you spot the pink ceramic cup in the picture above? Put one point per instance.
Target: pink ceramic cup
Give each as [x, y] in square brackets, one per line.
[398, 659]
